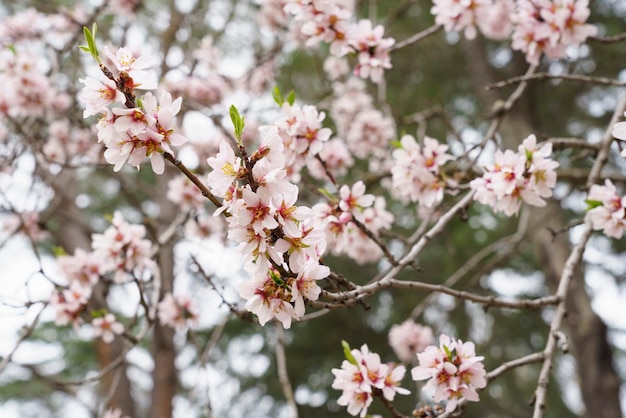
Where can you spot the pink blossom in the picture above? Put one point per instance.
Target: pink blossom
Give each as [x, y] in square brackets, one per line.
[354, 199]
[359, 376]
[495, 21]
[226, 167]
[137, 68]
[454, 371]
[528, 175]
[459, 15]
[269, 297]
[82, 267]
[123, 249]
[178, 312]
[607, 209]
[409, 338]
[97, 95]
[184, 193]
[69, 303]
[550, 26]
[106, 327]
[371, 48]
[416, 174]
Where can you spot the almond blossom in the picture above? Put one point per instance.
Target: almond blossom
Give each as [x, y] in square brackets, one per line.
[607, 209]
[371, 48]
[70, 303]
[548, 27]
[106, 327]
[454, 370]
[528, 175]
[416, 173]
[179, 312]
[280, 242]
[459, 15]
[123, 249]
[361, 375]
[409, 338]
[137, 68]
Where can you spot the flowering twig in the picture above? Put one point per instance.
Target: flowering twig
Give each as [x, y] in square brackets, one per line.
[193, 178]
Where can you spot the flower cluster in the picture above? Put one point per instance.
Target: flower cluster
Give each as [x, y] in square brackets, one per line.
[607, 209]
[527, 175]
[550, 26]
[365, 130]
[454, 370]
[132, 132]
[537, 26]
[119, 254]
[178, 312]
[329, 22]
[362, 375]
[303, 136]
[280, 241]
[338, 221]
[459, 15]
[27, 91]
[409, 338]
[416, 172]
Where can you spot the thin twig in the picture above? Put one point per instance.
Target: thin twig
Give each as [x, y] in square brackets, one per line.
[281, 364]
[193, 178]
[547, 76]
[609, 39]
[417, 37]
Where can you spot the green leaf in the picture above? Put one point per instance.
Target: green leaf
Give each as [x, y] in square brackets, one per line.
[278, 97]
[238, 122]
[12, 49]
[591, 204]
[275, 276]
[58, 251]
[347, 352]
[291, 97]
[90, 37]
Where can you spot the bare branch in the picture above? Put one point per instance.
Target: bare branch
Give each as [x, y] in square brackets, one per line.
[566, 77]
[417, 37]
[281, 364]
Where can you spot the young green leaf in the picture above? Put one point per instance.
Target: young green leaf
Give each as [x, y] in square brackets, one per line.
[238, 122]
[278, 97]
[347, 353]
[591, 204]
[291, 98]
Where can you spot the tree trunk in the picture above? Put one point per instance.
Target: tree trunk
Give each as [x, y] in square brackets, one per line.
[164, 375]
